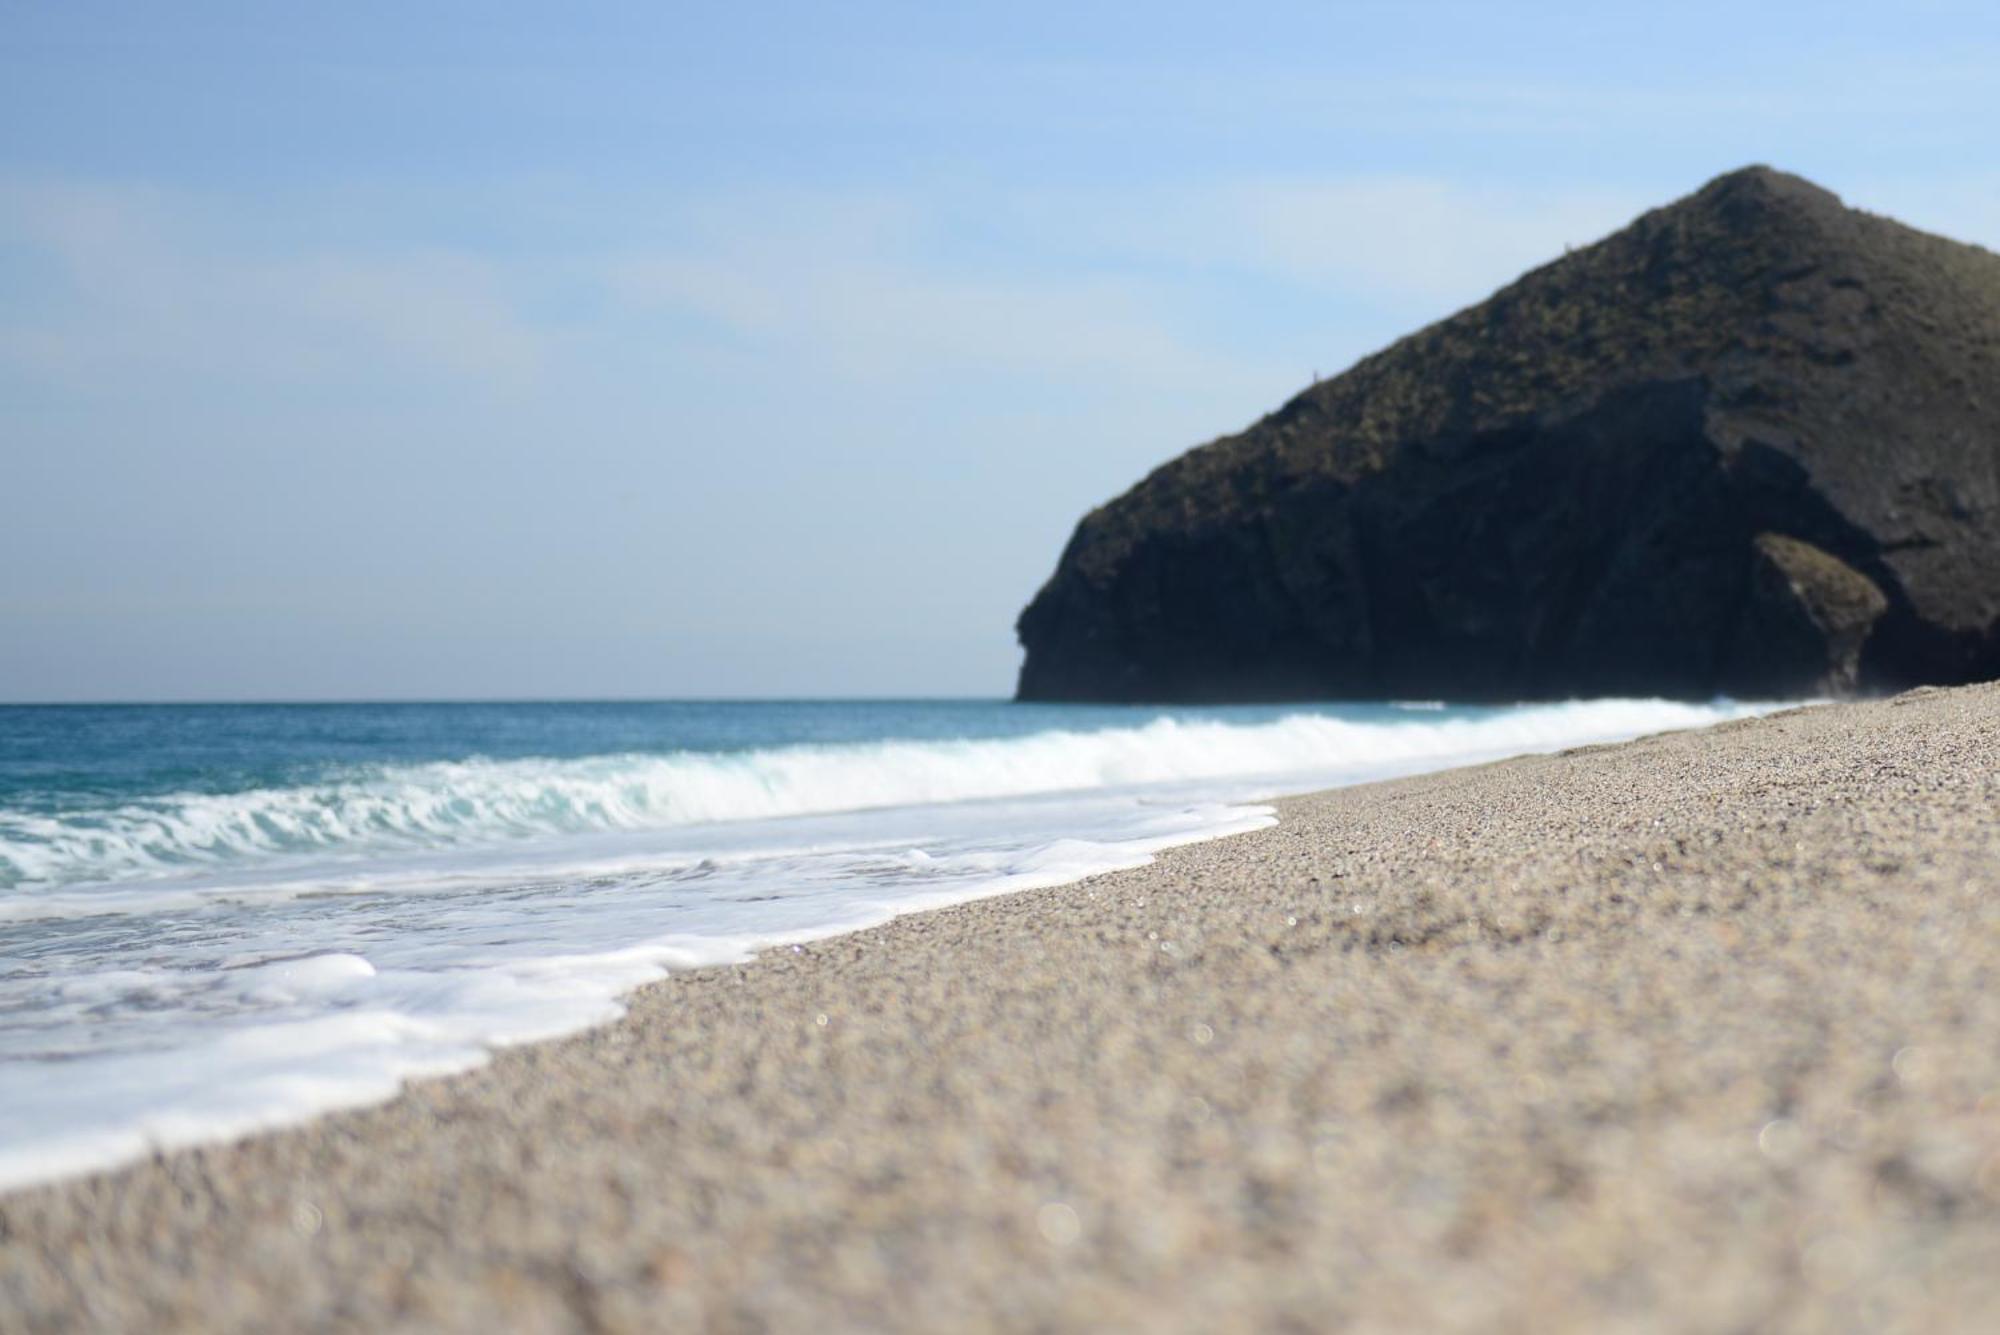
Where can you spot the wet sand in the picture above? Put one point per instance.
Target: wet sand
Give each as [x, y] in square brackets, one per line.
[1700, 1032]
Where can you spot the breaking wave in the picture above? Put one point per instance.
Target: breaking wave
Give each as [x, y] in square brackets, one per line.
[479, 802]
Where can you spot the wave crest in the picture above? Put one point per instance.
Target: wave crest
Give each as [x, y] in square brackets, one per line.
[447, 804]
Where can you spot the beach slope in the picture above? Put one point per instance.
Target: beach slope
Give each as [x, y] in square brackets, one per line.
[1697, 1032]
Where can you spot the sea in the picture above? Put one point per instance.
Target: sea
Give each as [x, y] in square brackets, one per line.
[216, 919]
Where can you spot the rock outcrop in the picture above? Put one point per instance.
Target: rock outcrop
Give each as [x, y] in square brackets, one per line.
[1749, 445]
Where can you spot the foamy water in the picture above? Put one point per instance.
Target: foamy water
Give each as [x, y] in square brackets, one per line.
[215, 923]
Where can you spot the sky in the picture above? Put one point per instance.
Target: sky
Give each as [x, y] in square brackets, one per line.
[431, 351]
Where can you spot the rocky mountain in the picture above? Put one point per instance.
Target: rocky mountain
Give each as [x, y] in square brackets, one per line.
[1748, 445]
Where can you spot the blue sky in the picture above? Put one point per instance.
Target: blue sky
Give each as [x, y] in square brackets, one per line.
[504, 350]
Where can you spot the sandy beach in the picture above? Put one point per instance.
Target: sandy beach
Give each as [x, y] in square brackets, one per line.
[1700, 1032]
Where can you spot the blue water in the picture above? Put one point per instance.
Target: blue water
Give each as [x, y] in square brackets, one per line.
[217, 918]
[72, 759]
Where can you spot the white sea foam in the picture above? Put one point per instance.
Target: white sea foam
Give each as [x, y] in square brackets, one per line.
[476, 803]
[218, 1052]
[199, 967]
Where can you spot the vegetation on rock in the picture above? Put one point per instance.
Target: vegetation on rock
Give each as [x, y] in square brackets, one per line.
[1745, 445]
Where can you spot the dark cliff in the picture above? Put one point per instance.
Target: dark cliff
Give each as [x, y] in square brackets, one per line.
[1748, 445]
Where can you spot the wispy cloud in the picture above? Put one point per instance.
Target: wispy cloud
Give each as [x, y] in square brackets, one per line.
[1166, 283]
[869, 318]
[862, 288]
[133, 280]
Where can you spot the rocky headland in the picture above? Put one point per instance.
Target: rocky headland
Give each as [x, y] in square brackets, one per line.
[1748, 445]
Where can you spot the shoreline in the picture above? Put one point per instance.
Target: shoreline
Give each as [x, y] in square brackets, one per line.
[378, 999]
[1699, 1025]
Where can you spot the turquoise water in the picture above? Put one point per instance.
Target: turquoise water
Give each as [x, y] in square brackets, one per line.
[113, 786]
[220, 918]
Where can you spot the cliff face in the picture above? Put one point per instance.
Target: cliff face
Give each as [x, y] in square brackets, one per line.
[1749, 445]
